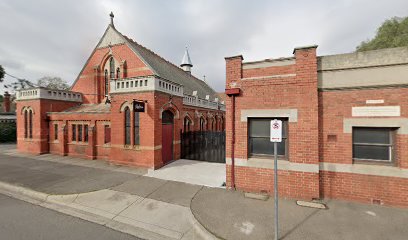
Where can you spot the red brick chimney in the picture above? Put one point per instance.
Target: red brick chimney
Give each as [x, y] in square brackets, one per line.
[6, 102]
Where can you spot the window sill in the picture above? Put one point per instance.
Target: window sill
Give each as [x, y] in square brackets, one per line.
[130, 147]
[264, 156]
[78, 143]
[373, 162]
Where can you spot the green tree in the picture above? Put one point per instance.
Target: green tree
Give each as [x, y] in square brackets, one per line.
[2, 73]
[392, 33]
[20, 84]
[53, 83]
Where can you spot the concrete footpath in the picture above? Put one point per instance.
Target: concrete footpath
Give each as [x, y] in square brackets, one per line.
[131, 201]
[117, 197]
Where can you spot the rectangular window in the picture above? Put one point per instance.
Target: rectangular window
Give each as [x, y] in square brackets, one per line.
[55, 131]
[373, 144]
[259, 143]
[86, 133]
[136, 129]
[107, 134]
[79, 133]
[74, 133]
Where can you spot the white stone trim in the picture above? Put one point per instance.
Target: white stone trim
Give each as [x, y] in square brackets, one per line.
[27, 108]
[376, 101]
[400, 123]
[292, 114]
[376, 170]
[378, 111]
[142, 84]
[126, 104]
[271, 76]
[186, 114]
[268, 163]
[44, 93]
[110, 38]
[194, 100]
[364, 169]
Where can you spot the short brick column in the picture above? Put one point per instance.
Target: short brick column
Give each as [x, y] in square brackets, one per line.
[91, 149]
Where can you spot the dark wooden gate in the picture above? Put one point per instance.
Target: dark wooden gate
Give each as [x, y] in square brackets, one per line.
[203, 145]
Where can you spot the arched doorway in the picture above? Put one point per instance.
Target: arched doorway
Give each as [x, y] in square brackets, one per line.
[167, 136]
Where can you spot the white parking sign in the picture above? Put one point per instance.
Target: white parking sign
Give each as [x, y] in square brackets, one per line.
[276, 131]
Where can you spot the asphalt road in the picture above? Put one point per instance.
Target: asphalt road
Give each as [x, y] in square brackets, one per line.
[57, 178]
[20, 220]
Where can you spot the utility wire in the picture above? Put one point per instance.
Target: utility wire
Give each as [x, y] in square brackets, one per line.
[15, 76]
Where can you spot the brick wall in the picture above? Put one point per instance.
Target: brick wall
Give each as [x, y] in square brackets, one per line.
[39, 142]
[364, 188]
[336, 147]
[291, 86]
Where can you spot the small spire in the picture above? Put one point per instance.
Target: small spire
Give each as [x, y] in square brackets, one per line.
[111, 17]
[186, 63]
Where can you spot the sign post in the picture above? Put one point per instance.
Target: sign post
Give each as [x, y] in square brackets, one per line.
[276, 136]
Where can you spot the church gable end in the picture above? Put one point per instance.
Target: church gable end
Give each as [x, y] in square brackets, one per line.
[97, 70]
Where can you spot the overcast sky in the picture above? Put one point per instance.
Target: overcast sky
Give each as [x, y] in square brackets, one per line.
[55, 38]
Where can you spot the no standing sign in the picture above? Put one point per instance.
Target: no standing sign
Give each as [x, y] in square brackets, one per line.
[276, 136]
[276, 131]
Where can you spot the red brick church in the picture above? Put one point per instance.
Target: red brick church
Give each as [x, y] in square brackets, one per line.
[345, 118]
[128, 105]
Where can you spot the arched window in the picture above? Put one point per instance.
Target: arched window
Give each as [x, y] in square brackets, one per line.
[202, 122]
[25, 123]
[187, 124]
[219, 127]
[30, 124]
[118, 73]
[112, 67]
[106, 82]
[127, 126]
[213, 125]
[167, 117]
[136, 124]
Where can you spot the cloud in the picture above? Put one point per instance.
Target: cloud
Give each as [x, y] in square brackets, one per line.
[55, 38]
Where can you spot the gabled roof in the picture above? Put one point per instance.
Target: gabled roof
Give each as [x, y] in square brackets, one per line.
[160, 67]
[171, 72]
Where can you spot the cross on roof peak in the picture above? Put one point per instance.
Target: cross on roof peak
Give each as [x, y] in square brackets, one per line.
[111, 17]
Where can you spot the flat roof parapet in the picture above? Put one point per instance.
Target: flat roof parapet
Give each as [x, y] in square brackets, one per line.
[232, 57]
[373, 58]
[46, 93]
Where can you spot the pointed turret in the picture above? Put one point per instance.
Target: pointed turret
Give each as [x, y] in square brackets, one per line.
[186, 63]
